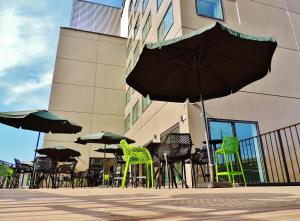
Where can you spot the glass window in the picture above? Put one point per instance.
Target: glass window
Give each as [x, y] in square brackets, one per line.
[136, 5]
[129, 26]
[128, 95]
[145, 103]
[210, 8]
[165, 24]
[128, 122]
[147, 27]
[130, 7]
[136, 27]
[135, 112]
[128, 68]
[158, 2]
[145, 4]
[129, 47]
[136, 53]
[96, 163]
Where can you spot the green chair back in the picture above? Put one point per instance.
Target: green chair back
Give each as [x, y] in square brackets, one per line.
[135, 155]
[6, 171]
[230, 145]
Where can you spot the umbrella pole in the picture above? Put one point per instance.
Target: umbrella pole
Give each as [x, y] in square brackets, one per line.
[210, 160]
[37, 145]
[103, 178]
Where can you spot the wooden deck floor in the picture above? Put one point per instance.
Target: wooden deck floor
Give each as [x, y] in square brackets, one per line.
[249, 204]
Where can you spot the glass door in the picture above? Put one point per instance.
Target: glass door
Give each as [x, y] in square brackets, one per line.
[251, 154]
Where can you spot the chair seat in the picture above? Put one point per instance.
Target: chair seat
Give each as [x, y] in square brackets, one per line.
[232, 173]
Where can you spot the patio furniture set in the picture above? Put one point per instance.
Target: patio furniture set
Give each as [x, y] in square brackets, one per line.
[164, 165]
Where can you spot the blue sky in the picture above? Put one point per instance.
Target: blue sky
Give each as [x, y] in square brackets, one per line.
[29, 35]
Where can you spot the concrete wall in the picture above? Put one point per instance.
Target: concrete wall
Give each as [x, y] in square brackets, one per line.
[279, 106]
[88, 87]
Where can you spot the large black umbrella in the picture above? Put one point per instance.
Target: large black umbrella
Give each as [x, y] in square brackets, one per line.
[104, 137]
[59, 153]
[39, 120]
[209, 63]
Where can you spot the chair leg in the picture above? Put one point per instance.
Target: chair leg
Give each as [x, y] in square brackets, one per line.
[193, 175]
[231, 167]
[184, 169]
[151, 174]
[227, 167]
[241, 166]
[147, 175]
[217, 167]
[125, 174]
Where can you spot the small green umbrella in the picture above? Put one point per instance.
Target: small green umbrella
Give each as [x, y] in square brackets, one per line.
[59, 153]
[39, 120]
[103, 137]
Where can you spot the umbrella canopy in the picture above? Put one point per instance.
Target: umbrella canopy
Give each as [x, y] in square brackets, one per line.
[39, 120]
[209, 63]
[118, 151]
[59, 153]
[103, 137]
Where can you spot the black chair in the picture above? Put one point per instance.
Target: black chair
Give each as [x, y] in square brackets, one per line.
[175, 149]
[44, 170]
[68, 170]
[20, 169]
[199, 159]
[117, 174]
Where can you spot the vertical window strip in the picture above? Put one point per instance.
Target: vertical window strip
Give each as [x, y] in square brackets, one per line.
[136, 27]
[128, 122]
[145, 103]
[166, 24]
[147, 27]
[158, 3]
[135, 112]
[145, 4]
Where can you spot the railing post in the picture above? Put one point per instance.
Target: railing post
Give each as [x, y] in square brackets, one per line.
[283, 157]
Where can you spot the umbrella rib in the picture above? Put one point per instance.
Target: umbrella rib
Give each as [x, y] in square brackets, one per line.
[226, 45]
[183, 64]
[153, 65]
[162, 80]
[236, 59]
[221, 78]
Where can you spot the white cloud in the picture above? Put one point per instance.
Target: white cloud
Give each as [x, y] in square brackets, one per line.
[23, 38]
[29, 94]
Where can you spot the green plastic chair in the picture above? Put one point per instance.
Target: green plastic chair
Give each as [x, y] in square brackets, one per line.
[6, 173]
[137, 155]
[106, 178]
[229, 148]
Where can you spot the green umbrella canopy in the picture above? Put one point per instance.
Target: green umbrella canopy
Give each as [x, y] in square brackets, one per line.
[118, 151]
[103, 137]
[39, 120]
[211, 62]
[59, 153]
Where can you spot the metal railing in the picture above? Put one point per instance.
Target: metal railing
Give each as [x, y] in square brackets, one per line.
[272, 158]
[6, 163]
